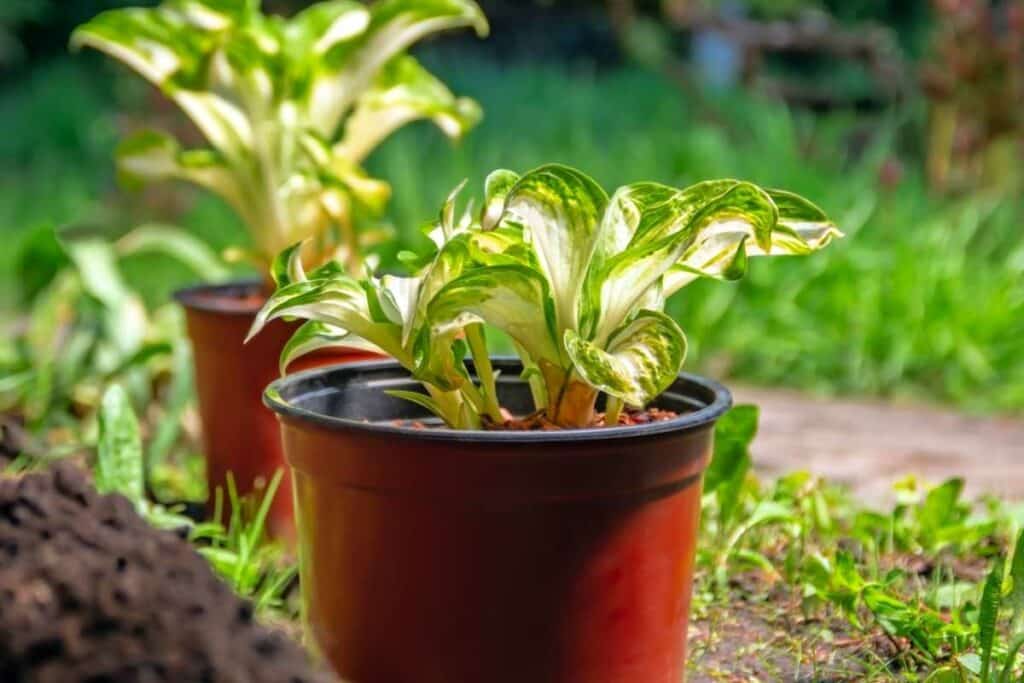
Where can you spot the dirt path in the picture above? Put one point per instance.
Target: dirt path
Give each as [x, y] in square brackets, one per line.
[869, 445]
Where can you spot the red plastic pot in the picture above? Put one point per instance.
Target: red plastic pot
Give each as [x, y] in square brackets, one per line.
[240, 435]
[438, 556]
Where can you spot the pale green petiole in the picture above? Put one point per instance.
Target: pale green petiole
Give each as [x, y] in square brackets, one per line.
[476, 337]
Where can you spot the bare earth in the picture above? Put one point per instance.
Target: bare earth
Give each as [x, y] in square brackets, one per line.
[868, 445]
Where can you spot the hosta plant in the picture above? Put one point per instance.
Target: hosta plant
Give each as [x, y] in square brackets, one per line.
[290, 108]
[577, 279]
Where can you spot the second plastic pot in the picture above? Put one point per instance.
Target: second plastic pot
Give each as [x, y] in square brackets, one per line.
[240, 435]
[436, 556]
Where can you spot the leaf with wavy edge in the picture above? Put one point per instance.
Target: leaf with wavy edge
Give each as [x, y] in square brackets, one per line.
[559, 208]
[642, 359]
[162, 46]
[512, 298]
[158, 44]
[286, 268]
[349, 67]
[658, 246]
[497, 187]
[721, 251]
[404, 92]
[340, 302]
[314, 335]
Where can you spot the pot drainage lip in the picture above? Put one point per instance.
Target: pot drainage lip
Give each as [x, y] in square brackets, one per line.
[707, 399]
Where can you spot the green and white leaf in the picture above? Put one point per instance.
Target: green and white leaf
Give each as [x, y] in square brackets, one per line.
[158, 44]
[642, 359]
[315, 335]
[349, 67]
[497, 187]
[559, 209]
[674, 227]
[512, 298]
[340, 302]
[404, 92]
[153, 156]
[180, 245]
[722, 248]
[119, 463]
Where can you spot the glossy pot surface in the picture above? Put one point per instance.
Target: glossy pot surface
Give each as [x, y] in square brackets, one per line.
[437, 556]
[239, 434]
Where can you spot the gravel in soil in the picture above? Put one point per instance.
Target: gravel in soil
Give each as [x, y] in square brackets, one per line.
[90, 593]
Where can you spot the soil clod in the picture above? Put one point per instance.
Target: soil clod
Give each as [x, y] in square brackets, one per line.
[90, 592]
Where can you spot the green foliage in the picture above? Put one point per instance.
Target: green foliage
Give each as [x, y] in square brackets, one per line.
[943, 628]
[240, 551]
[120, 467]
[86, 329]
[289, 107]
[576, 279]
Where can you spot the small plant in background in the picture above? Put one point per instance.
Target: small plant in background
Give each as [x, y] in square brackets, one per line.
[289, 107]
[578, 280]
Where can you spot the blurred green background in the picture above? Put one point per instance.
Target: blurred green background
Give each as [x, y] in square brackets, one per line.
[900, 119]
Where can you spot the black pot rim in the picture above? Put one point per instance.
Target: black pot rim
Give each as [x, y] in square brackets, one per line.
[691, 386]
[216, 297]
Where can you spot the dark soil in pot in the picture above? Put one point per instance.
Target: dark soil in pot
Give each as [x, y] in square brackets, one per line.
[90, 592]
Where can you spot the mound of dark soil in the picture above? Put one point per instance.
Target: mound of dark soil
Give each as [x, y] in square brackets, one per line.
[90, 593]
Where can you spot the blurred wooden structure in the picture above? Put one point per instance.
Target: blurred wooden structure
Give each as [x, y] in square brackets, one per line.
[812, 33]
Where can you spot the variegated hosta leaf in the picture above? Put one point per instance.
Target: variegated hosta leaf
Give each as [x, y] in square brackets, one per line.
[512, 298]
[637, 214]
[339, 301]
[319, 28]
[157, 43]
[641, 360]
[164, 46]
[286, 267]
[214, 15]
[660, 242]
[314, 335]
[496, 190]
[559, 209]
[722, 249]
[447, 265]
[334, 169]
[349, 67]
[404, 92]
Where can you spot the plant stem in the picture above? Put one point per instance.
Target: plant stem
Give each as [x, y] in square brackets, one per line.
[477, 339]
[574, 406]
[534, 377]
[612, 410]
